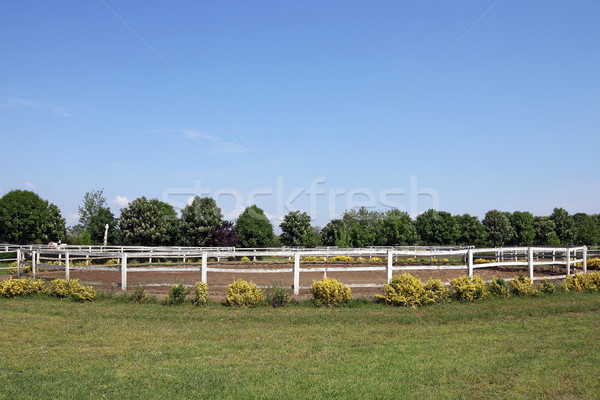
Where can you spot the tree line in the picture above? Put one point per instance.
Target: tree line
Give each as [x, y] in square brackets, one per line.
[27, 218]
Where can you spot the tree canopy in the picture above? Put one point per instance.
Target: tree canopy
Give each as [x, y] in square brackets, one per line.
[254, 228]
[149, 223]
[297, 230]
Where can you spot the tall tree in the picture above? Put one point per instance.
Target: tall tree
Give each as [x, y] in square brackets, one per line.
[362, 226]
[587, 231]
[335, 233]
[564, 226]
[437, 228]
[396, 228]
[148, 223]
[27, 218]
[94, 215]
[544, 232]
[223, 236]
[522, 223]
[471, 230]
[254, 228]
[198, 219]
[297, 230]
[498, 228]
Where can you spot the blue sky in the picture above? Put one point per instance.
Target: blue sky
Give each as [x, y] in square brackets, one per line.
[485, 104]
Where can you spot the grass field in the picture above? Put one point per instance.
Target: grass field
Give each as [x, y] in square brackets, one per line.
[545, 347]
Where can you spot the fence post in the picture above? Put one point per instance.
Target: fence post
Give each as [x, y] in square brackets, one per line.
[568, 259]
[19, 263]
[585, 259]
[123, 272]
[390, 264]
[296, 273]
[67, 266]
[470, 262]
[203, 273]
[530, 262]
[33, 255]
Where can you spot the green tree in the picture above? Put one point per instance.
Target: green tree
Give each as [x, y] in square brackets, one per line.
[335, 233]
[587, 231]
[148, 223]
[198, 219]
[522, 223]
[437, 228]
[93, 217]
[362, 226]
[297, 230]
[396, 228]
[498, 228]
[254, 228]
[471, 230]
[564, 226]
[544, 232]
[27, 218]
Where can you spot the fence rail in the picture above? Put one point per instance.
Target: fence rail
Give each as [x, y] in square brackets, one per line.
[38, 258]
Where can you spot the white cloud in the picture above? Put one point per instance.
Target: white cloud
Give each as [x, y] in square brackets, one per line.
[17, 102]
[29, 185]
[220, 144]
[121, 201]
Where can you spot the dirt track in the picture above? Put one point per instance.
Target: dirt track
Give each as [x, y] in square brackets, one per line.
[218, 281]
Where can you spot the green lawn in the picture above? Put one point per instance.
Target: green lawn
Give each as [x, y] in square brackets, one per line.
[508, 349]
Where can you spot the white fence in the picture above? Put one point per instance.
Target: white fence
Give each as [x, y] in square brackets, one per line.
[39, 258]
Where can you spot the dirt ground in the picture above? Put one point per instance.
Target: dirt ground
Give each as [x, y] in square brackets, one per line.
[158, 282]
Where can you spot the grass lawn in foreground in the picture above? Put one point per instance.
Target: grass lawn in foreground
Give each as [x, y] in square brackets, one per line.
[521, 348]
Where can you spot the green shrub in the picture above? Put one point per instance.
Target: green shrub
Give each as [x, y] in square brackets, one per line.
[243, 294]
[277, 296]
[522, 286]
[63, 288]
[583, 282]
[469, 289]
[201, 294]
[177, 294]
[140, 294]
[340, 259]
[330, 292]
[499, 288]
[593, 263]
[22, 287]
[547, 287]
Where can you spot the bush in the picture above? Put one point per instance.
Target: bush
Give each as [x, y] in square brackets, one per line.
[480, 261]
[593, 263]
[375, 259]
[340, 259]
[313, 259]
[583, 282]
[547, 287]
[408, 291]
[201, 294]
[499, 288]
[12, 268]
[469, 289]
[112, 261]
[63, 288]
[522, 286]
[276, 296]
[330, 292]
[140, 294]
[22, 287]
[245, 259]
[243, 294]
[177, 294]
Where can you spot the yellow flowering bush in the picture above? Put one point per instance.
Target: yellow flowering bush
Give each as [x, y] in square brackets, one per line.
[583, 282]
[330, 292]
[63, 288]
[313, 258]
[112, 261]
[340, 259]
[522, 286]
[243, 294]
[245, 259]
[499, 288]
[375, 259]
[408, 291]
[481, 261]
[593, 263]
[21, 287]
[201, 294]
[12, 268]
[470, 289]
